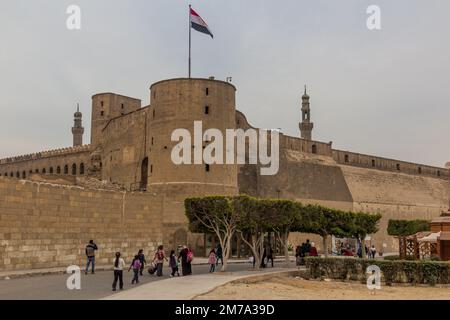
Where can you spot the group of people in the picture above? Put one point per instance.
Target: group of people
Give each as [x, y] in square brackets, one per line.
[370, 252]
[306, 249]
[185, 256]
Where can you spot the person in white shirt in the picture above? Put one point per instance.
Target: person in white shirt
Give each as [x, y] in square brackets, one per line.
[119, 264]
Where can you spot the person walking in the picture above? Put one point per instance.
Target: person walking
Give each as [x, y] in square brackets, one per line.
[269, 254]
[159, 258]
[313, 250]
[90, 254]
[373, 252]
[219, 254]
[136, 265]
[186, 259]
[212, 259]
[142, 260]
[299, 255]
[173, 264]
[307, 247]
[119, 264]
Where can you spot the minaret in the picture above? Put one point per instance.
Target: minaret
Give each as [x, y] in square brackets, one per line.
[306, 125]
[77, 129]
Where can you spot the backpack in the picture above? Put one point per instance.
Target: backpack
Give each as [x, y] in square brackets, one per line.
[136, 264]
[90, 251]
[190, 256]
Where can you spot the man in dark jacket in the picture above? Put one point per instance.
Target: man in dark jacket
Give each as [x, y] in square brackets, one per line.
[142, 260]
[90, 254]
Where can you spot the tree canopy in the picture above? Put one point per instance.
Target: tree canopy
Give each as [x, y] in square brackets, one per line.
[251, 218]
[404, 228]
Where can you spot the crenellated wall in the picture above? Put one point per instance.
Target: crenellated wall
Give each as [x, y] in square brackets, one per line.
[379, 163]
[61, 161]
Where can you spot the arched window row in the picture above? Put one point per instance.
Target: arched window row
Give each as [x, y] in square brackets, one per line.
[75, 169]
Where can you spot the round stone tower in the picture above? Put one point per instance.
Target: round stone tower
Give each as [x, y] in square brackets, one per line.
[177, 104]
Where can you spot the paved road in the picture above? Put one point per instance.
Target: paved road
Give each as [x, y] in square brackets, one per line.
[97, 286]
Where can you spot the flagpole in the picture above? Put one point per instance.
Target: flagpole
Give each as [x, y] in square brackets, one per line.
[190, 27]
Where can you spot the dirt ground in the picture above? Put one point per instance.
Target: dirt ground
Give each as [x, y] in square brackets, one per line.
[290, 288]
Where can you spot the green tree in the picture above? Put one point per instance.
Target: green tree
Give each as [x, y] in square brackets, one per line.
[326, 222]
[363, 225]
[285, 216]
[404, 228]
[215, 215]
[253, 225]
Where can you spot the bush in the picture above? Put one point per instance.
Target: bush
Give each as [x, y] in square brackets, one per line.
[397, 271]
[397, 257]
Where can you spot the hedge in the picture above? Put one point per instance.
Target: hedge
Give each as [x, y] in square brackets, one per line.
[401, 271]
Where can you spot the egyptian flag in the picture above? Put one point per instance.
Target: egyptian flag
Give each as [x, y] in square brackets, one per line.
[199, 24]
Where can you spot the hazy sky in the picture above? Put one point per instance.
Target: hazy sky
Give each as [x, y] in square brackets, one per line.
[381, 92]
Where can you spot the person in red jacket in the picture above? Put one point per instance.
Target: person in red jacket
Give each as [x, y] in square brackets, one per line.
[313, 250]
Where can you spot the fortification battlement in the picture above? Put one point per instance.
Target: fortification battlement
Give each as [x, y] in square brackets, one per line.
[364, 160]
[46, 154]
[380, 163]
[309, 146]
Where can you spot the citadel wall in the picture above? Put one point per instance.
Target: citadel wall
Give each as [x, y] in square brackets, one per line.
[380, 163]
[132, 146]
[44, 225]
[67, 161]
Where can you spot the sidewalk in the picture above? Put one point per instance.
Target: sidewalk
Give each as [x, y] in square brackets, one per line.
[14, 274]
[187, 288]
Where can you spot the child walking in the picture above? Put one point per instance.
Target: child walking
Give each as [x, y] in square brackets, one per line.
[136, 265]
[212, 260]
[119, 264]
[173, 264]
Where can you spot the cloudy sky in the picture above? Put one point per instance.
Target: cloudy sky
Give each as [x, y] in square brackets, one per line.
[378, 92]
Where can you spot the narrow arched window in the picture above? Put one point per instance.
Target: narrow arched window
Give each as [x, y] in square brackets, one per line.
[81, 168]
[66, 169]
[18, 174]
[314, 149]
[74, 169]
[24, 175]
[44, 171]
[58, 170]
[51, 170]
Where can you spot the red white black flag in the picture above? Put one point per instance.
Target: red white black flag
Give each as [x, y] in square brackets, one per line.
[197, 23]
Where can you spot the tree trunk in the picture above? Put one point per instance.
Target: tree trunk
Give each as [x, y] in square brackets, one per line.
[363, 248]
[261, 249]
[325, 245]
[225, 253]
[286, 248]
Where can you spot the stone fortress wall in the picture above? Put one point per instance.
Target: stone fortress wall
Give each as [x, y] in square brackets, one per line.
[131, 146]
[45, 225]
[68, 161]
